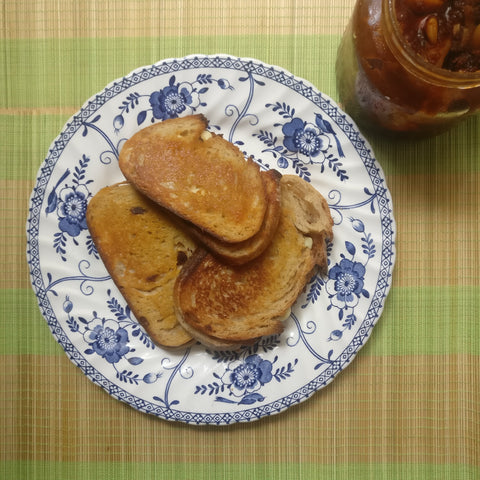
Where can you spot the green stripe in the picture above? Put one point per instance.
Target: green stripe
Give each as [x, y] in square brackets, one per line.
[66, 72]
[23, 330]
[41, 470]
[449, 323]
[428, 320]
[25, 142]
[456, 151]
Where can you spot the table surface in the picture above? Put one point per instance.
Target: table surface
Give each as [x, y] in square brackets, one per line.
[409, 404]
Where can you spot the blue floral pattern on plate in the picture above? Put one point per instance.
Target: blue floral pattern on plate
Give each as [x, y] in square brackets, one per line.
[280, 121]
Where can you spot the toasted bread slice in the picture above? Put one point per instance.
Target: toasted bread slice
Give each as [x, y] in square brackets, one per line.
[197, 175]
[143, 251]
[243, 252]
[223, 305]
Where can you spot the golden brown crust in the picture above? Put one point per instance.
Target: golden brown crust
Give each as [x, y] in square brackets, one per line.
[200, 177]
[143, 250]
[241, 303]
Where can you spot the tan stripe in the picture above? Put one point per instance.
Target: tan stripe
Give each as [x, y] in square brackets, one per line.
[423, 409]
[437, 230]
[39, 111]
[133, 18]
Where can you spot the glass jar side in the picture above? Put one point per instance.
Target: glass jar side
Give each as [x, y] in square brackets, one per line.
[384, 85]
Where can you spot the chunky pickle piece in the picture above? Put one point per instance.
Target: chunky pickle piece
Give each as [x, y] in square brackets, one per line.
[446, 33]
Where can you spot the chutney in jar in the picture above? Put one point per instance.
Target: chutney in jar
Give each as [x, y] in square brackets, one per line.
[410, 67]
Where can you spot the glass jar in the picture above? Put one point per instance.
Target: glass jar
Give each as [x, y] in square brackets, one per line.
[386, 83]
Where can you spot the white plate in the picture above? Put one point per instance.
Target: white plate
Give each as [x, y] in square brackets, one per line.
[284, 123]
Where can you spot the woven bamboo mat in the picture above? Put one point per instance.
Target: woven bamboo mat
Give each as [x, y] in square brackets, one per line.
[407, 407]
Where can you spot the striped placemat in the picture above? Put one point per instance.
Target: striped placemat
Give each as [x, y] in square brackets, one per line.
[407, 407]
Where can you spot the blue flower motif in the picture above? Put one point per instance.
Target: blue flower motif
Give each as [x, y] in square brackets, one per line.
[250, 375]
[348, 278]
[303, 139]
[173, 100]
[245, 375]
[107, 340]
[72, 208]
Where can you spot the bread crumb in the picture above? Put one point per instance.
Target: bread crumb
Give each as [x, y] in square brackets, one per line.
[205, 135]
[285, 316]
